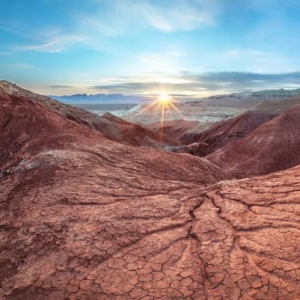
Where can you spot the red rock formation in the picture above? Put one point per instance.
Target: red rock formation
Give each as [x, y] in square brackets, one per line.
[175, 129]
[112, 127]
[28, 127]
[83, 217]
[221, 133]
[247, 234]
[71, 112]
[273, 146]
[128, 133]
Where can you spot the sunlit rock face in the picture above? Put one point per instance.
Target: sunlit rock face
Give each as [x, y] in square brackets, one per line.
[273, 146]
[224, 132]
[203, 138]
[85, 217]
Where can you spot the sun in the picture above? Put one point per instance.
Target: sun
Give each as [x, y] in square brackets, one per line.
[164, 104]
[164, 98]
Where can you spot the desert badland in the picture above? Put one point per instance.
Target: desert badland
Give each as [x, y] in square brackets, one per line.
[96, 207]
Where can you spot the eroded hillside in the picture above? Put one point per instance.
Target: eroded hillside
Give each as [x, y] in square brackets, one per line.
[86, 217]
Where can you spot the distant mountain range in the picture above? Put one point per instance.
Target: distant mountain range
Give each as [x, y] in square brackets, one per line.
[100, 98]
[120, 98]
[245, 100]
[266, 94]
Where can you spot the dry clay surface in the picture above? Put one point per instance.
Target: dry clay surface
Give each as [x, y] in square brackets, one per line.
[82, 226]
[88, 218]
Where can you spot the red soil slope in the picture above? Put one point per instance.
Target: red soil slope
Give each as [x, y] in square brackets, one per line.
[175, 129]
[128, 133]
[273, 146]
[112, 127]
[221, 133]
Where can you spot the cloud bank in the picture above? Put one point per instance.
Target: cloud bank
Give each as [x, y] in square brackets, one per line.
[201, 84]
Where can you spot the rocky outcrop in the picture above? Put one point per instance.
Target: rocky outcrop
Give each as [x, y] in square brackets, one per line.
[273, 146]
[28, 127]
[247, 235]
[222, 133]
[71, 112]
[82, 235]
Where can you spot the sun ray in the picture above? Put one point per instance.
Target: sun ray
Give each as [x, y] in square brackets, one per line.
[165, 105]
[175, 108]
[143, 110]
[162, 121]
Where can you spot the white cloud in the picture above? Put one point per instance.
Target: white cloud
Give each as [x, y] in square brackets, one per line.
[155, 17]
[196, 84]
[116, 18]
[258, 61]
[98, 26]
[180, 15]
[165, 16]
[185, 83]
[55, 43]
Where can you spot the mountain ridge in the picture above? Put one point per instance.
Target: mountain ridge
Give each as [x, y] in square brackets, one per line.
[278, 94]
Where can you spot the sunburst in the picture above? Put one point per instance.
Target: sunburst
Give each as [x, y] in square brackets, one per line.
[164, 103]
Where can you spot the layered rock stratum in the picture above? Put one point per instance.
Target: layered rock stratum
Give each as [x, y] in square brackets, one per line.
[224, 132]
[85, 217]
[204, 142]
[273, 146]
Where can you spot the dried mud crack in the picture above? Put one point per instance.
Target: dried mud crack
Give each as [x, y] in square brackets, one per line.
[83, 217]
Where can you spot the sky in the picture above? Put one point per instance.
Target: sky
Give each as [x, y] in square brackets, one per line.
[191, 48]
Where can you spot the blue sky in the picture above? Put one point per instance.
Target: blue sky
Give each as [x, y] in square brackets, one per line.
[190, 47]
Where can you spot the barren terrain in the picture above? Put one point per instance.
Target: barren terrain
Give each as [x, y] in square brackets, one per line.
[86, 216]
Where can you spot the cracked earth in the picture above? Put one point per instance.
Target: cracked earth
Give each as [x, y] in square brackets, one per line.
[105, 234]
[94, 219]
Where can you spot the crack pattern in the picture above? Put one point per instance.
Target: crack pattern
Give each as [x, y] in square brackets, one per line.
[102, 221]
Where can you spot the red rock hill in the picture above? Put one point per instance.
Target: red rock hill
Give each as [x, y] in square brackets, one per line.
[273, 146]
[84, 217]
